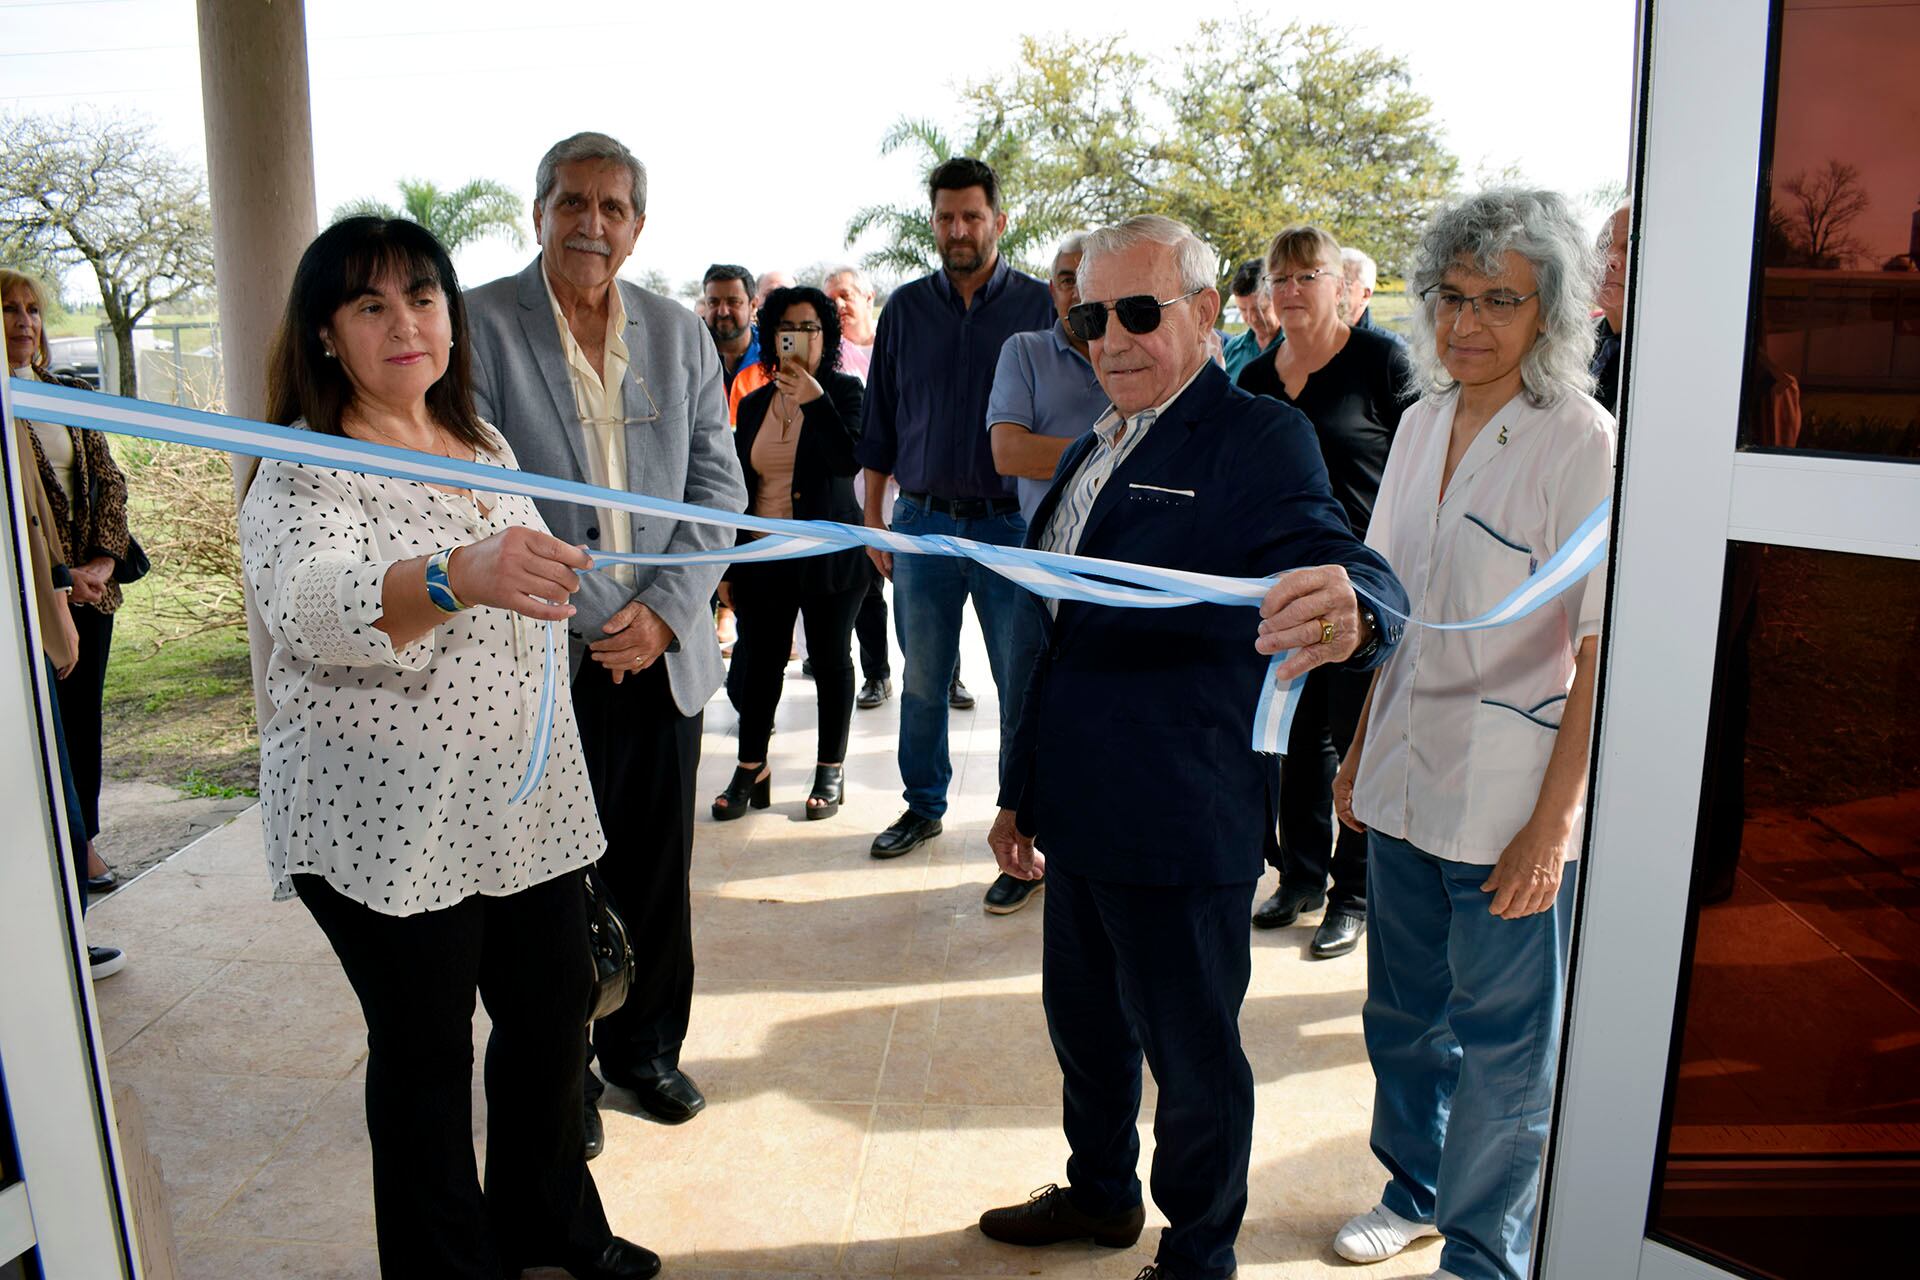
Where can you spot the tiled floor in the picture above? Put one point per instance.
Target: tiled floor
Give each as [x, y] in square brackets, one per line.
[871, 1042]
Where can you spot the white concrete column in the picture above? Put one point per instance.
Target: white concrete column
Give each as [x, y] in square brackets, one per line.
[259, 122]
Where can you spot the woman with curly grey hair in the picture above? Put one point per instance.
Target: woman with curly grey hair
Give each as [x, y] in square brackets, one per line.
[1469, 766]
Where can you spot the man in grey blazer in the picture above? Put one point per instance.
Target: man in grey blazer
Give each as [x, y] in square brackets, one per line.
[595, 379]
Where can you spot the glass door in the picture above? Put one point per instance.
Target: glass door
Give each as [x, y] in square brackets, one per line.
[1742, 1075]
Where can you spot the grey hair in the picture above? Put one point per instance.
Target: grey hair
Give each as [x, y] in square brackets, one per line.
[1358, 265]
[1196, 261]
[1477, 232]
[1075, 243]
[860, 279]
[588, 146]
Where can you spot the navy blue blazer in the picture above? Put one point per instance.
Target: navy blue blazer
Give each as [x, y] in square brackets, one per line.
[1132, 759]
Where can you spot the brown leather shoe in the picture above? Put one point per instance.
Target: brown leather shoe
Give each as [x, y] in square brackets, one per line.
[1049, 1216]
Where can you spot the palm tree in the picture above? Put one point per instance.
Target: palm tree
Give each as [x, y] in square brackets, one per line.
[908, 248]
[480, 209]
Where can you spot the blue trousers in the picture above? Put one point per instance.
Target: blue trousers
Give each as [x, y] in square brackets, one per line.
[1154, 971]
[1463, 1028]
[929, 593]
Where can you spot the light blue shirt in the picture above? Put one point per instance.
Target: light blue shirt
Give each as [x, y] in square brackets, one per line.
[1043, 384]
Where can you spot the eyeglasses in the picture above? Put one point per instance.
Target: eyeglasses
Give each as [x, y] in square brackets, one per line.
[1495, 310]
[1300, 278]
[588, 419]
[803, 327]
[1139, 313]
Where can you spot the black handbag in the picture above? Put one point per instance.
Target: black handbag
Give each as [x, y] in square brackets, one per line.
[612, 953]
[132, 566]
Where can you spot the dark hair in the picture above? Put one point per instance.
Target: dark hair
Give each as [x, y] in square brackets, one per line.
[960, 173]
[1247, 277]
[776, 306]
[350, 258]
[728, 271]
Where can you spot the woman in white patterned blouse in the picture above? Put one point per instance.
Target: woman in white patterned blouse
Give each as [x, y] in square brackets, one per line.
[407, 661]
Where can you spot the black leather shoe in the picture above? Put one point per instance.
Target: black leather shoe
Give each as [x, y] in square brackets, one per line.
[806, 667]
[1008, 894]
[1338, 934]
[1049, 1217]
[1286, 906]
[829, 790]
[596, 1132]
[620, 1260]
[670, 1098]
[957, 696]
[873, 693]
[908, 832]
[102, 884]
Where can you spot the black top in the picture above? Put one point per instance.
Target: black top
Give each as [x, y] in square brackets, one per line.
[1354, 403]
[1606, 366]
[823, 471]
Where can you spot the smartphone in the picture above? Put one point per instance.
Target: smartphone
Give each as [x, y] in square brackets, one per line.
[793, 346]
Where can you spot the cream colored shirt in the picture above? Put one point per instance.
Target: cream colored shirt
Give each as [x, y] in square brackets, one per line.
[56, 442]
[1462, 722]
[601, 404]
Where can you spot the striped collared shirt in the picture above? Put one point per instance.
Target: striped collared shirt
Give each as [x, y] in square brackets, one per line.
[1118, 438]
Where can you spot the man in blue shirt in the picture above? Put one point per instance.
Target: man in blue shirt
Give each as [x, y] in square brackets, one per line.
[1255, 301]
[933, 360]
[1045, 393]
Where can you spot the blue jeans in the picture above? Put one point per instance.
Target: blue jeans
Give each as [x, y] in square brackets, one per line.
[929, 593]
[1463, 1028]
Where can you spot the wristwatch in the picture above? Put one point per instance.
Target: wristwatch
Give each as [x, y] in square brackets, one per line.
[439, 589]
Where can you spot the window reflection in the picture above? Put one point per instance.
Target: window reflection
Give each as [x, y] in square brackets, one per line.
[1838, 329]
[1792, 1146]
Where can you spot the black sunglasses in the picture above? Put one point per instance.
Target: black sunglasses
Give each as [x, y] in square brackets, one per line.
[1138, 314]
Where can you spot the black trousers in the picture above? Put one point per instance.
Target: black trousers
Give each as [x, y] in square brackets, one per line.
[871, 626]
[1154, 971]
[765, 601]
[81, 696]
[641, 756]
[1310, 852]
[526, 954]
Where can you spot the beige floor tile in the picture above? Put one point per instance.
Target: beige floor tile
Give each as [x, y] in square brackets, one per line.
[144, 990]
[230, 850]
[828, 1045]
[867, 937]
[207, 1257]
[211, 1133]
[319, 1185]
[293, 939]
[764, 1183]
[990, 1048]
[171, 911]
[256, 1018]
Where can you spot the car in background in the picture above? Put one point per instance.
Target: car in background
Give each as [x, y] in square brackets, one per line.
[77, 358]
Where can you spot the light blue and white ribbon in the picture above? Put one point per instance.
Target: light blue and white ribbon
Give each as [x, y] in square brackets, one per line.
[1085, 579]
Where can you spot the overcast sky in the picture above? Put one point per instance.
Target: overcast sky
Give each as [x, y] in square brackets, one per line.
[450, 90]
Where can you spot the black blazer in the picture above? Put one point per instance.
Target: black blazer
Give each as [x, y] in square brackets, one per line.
[823, 471]
[1132, 758]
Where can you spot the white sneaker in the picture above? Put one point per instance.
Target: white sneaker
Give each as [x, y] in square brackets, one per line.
[106, 961]
[1378, 1234]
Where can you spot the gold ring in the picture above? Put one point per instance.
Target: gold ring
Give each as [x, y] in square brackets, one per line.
[1327, 632]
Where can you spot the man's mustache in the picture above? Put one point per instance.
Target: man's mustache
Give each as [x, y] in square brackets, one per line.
[587, 244]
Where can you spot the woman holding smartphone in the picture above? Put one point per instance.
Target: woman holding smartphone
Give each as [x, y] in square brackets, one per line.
[796, 436]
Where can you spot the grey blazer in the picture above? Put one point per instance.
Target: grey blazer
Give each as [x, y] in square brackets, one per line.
[521, 386]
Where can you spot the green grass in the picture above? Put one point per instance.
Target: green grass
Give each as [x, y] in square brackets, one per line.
[180, 713]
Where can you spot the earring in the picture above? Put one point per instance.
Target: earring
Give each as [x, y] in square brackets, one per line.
[451, 344]
[329, 351]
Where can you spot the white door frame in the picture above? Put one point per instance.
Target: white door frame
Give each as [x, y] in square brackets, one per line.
[1685, 492]
[71, 1204]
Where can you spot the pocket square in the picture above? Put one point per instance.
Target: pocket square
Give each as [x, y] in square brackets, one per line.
[1154, 488]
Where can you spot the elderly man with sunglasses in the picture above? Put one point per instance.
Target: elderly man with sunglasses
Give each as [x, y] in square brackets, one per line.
[1131, 780]
[594, 379]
